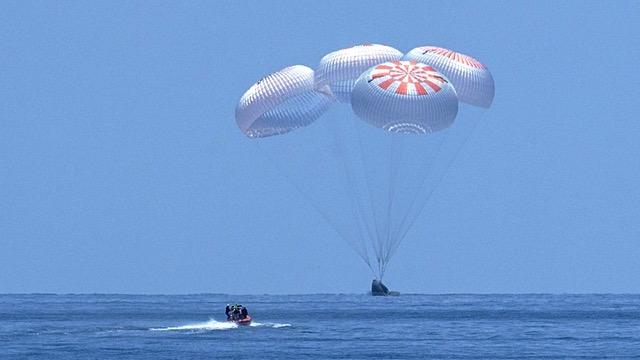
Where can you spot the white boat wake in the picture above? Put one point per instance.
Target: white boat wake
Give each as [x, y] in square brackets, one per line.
[217, 325]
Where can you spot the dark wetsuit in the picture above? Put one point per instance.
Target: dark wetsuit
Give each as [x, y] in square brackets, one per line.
[244, 312]
[227, 312]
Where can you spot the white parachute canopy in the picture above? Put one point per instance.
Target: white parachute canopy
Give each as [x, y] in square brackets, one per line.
[405, 96]
[281, 102]
[472, 80]
[340, 69]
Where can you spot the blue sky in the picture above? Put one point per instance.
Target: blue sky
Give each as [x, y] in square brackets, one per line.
[122, 170]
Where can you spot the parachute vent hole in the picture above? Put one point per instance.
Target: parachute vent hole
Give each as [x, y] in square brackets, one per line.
[406, 128]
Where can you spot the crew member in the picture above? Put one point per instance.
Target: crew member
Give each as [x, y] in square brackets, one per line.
[236, 312]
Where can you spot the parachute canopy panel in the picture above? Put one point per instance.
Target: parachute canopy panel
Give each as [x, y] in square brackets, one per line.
[281, 102]
[472, 80]
[405, 96]
[340, 69]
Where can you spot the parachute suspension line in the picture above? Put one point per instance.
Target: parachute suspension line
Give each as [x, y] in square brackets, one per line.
[381, 240]
[426, 172]
[391, 193]
[369, 192]
[439, 181]
[309, 200]
[356, 207]
[362, 199]
[375, 234]
[376, 239]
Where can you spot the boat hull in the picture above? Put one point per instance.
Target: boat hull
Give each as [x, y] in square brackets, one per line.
[245, 321]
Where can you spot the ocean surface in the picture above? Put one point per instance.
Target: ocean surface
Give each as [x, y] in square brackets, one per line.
[44, 326]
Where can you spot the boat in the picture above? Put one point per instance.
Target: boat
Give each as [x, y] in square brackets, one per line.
[237, 314]
[245, 321]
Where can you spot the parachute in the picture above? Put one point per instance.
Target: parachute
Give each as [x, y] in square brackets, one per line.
[340, 69]
[369, 168]
[472, 80]
[281, 102]
[405, 96]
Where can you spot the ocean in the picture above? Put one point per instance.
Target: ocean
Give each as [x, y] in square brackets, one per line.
[325, 326]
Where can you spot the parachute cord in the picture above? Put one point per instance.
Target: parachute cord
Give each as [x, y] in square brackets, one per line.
[377, 238]
[438, 182]
[351, 190]
[309, 200]
[369, 192]
[359, 200]
[380, 253]
[428, 167]
[392, 179]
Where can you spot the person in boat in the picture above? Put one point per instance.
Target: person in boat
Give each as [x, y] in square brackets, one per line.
[236, 312]
[244, 313]
[227, 312]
